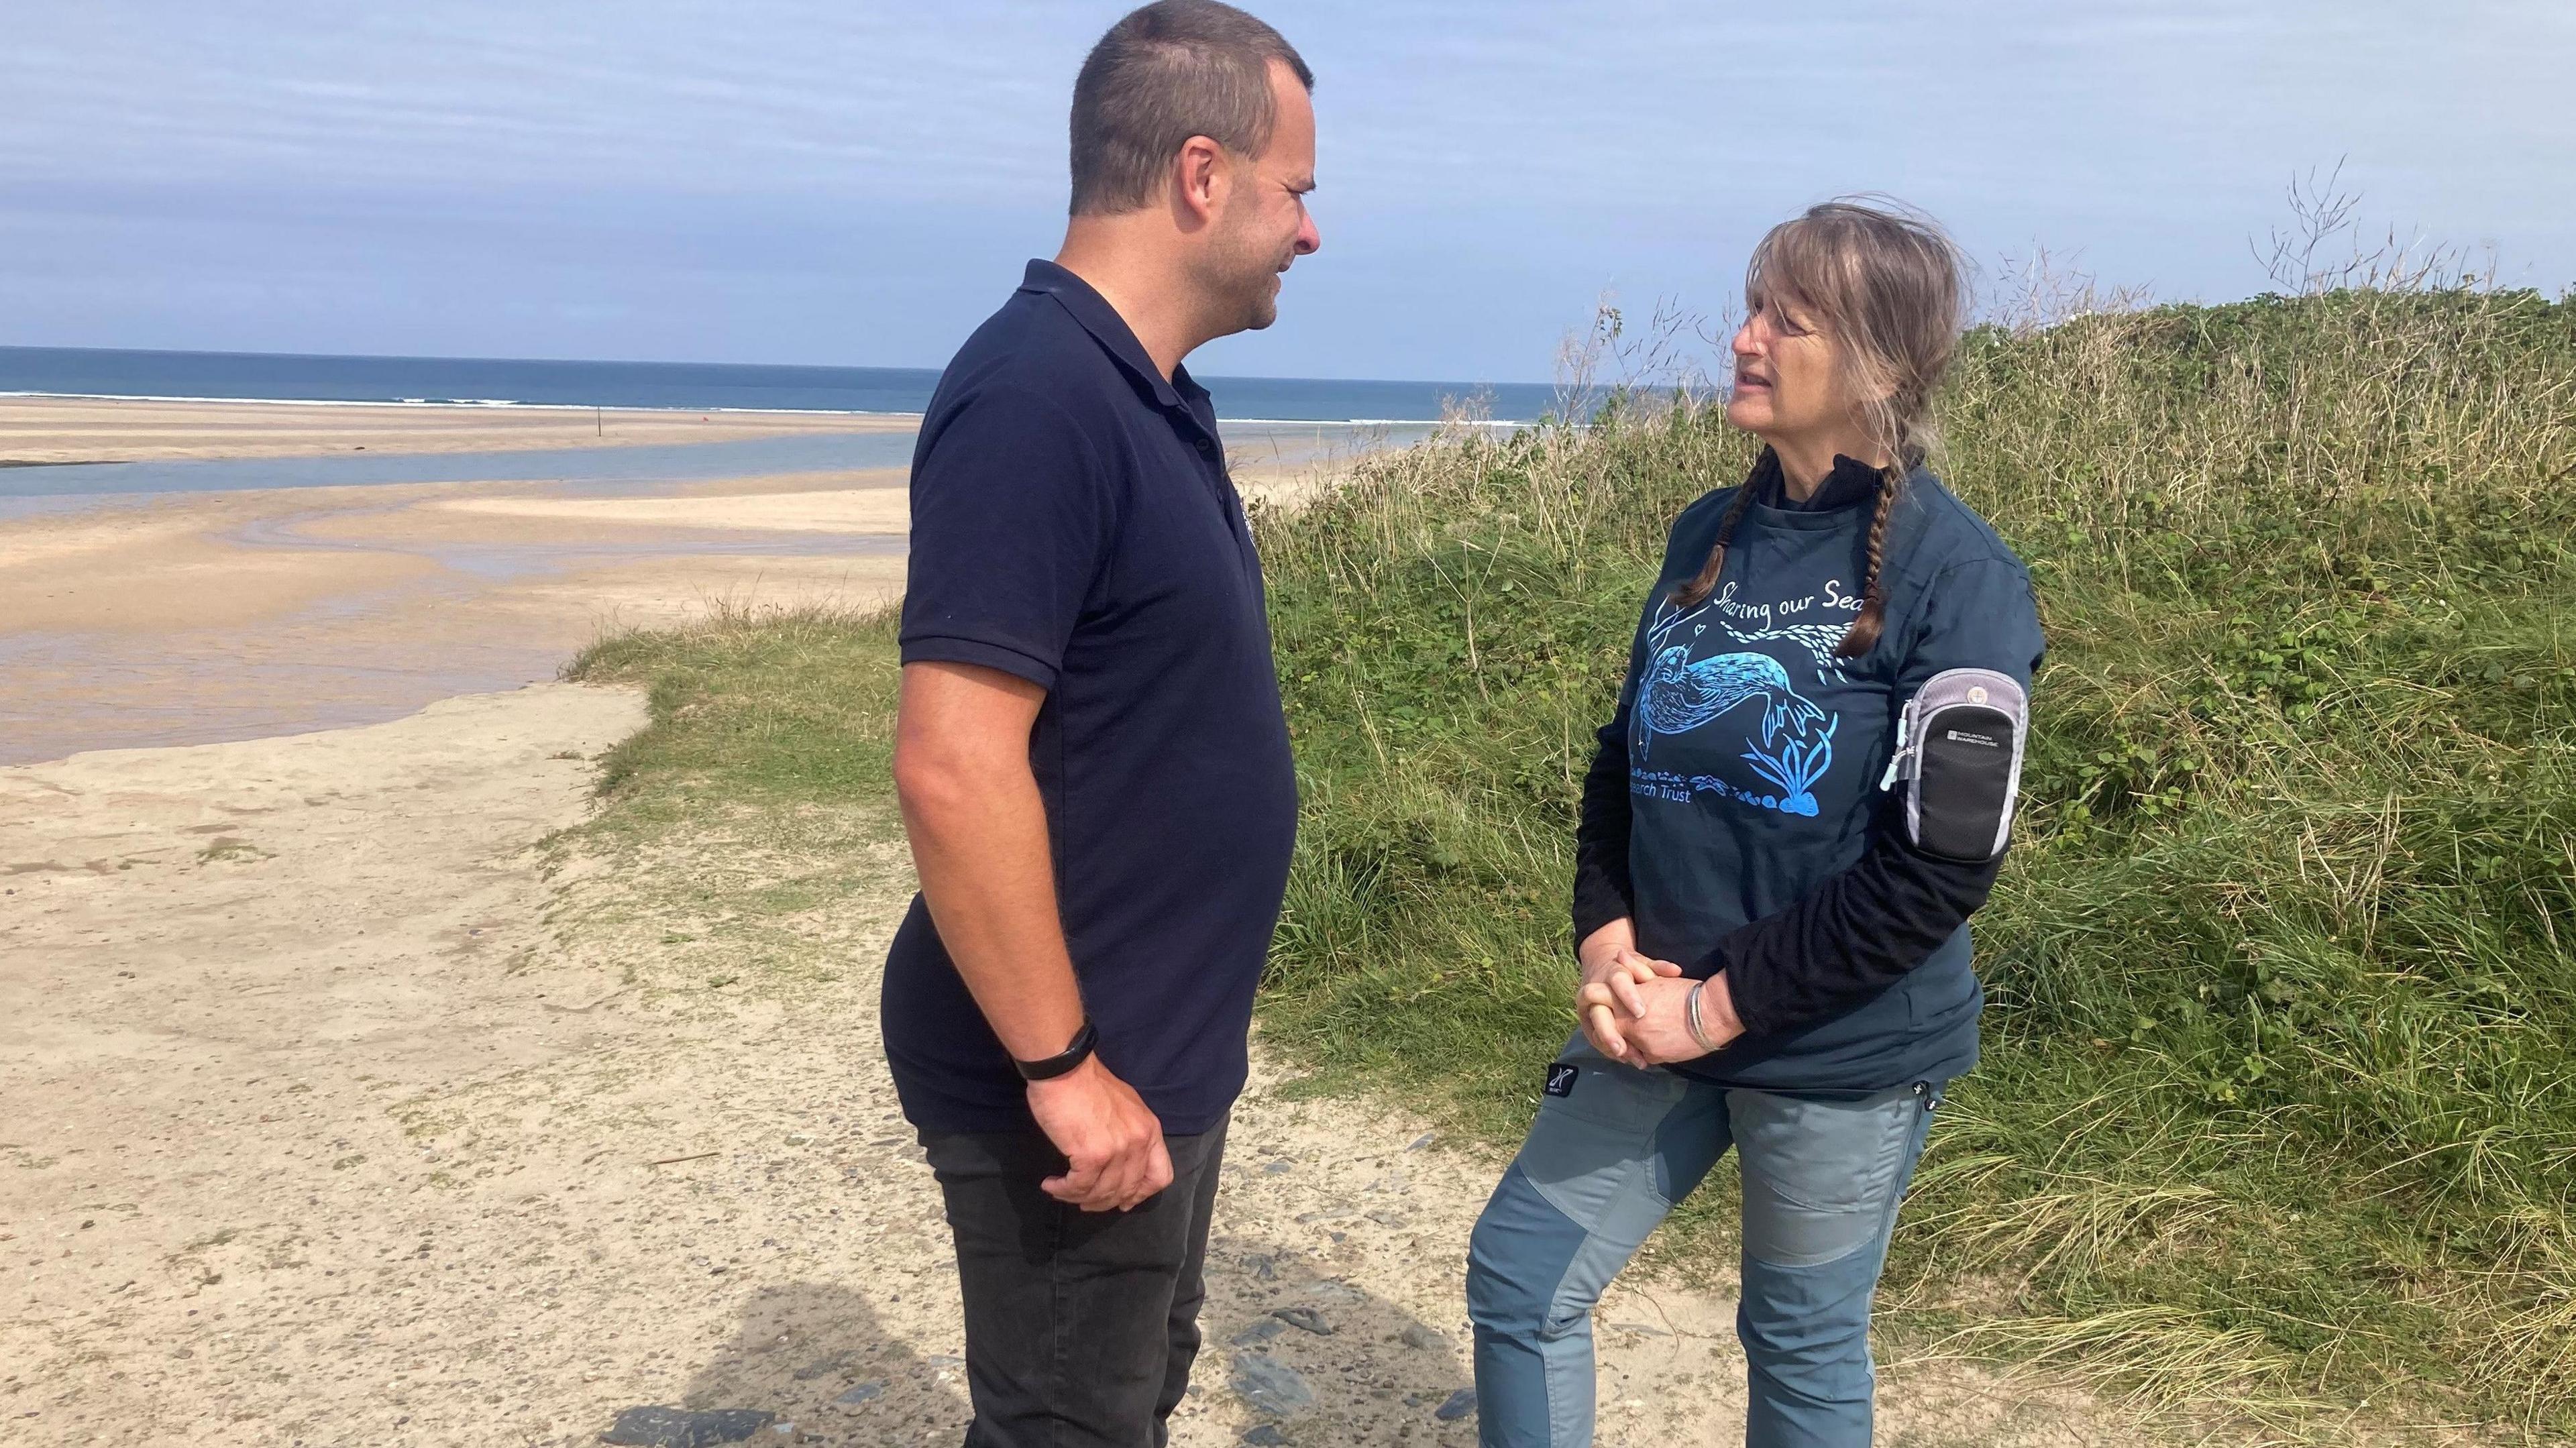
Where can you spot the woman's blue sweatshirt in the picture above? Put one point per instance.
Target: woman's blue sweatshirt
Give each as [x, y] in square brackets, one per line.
[1757, 837]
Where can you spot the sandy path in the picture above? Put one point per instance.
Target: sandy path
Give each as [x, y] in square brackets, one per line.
[333, 1113]
[95, 429]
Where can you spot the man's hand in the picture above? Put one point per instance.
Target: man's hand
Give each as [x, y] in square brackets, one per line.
[1611, 990]
[1660, 1034]
[1110, 1138]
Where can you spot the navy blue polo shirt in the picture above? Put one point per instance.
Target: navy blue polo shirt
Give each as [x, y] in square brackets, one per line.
[1073, 524]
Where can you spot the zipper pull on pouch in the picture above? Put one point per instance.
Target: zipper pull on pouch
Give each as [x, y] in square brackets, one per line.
[1896, 761]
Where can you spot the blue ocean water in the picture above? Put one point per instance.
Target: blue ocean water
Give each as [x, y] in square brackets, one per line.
[685, 385]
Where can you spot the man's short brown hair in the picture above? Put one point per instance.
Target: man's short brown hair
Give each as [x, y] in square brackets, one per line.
[1169, 71]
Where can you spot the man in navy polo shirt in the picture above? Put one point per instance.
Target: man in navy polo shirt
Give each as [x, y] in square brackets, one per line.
[1094, 770]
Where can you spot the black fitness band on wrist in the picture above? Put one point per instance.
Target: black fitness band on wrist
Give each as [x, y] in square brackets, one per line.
[1084, 1041]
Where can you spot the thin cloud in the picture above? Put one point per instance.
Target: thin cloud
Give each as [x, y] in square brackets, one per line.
[1488, 168]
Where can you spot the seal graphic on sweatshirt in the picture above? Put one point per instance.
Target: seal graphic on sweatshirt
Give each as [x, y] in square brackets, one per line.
[1789, 742]
[1678, 695]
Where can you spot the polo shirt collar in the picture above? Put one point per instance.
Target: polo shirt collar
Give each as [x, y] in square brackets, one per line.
[1111, 331]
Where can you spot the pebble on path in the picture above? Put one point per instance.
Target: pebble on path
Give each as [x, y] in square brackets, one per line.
[1269, 1385]
[858, 1396]
[839, 1362]
[1305, 1319]
[657, 1427]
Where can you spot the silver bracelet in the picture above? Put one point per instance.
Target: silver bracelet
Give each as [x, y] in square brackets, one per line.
[1690, 1015]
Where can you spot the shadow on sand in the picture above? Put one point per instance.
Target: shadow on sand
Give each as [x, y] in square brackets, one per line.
[1293, 1355]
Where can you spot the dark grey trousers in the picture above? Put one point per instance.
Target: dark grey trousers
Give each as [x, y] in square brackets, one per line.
[1080, 1326]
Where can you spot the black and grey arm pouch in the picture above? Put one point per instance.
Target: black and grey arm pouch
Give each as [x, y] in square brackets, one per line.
[1958, 759]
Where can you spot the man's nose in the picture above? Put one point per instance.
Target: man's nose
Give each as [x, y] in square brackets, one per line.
[1309, 240]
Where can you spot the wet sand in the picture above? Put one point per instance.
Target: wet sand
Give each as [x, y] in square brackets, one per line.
[882, 509]
[134, 619]
[91, 429]
[195, 618]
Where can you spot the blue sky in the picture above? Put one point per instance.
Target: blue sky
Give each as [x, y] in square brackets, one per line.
[858, 182]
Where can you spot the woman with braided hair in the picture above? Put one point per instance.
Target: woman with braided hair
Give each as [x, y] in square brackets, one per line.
[1803, 794]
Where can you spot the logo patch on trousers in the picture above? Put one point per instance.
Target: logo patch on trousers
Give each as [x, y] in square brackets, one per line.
[1560, 1078]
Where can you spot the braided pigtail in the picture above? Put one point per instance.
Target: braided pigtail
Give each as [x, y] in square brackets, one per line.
[1694, 591]
[1863, 634]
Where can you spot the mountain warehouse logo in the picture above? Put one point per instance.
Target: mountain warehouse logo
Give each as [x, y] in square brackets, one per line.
[1962, 736]
[1560, 1078]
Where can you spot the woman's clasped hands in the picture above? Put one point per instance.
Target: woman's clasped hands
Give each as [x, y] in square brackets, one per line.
[1637, 1010]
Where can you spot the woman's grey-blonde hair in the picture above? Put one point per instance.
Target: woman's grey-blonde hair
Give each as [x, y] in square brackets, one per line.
[1887, 288]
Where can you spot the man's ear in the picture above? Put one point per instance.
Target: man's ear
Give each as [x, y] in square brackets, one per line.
[1199, 181]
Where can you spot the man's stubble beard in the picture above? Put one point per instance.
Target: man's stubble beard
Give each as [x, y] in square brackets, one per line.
[1261, 291]
[1238, 280]
[1263, 311]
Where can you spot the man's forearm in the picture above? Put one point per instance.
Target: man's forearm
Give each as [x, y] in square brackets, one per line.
[979, 840]
[986, 874]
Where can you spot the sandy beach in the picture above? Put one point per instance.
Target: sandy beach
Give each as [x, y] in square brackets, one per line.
[90, 430]
[144, 619]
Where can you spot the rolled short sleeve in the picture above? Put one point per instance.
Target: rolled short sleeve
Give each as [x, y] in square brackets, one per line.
[1011, 522]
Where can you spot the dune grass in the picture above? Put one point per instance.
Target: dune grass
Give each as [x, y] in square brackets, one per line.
[753, 705]
[2278, 1106]
[750, 842]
